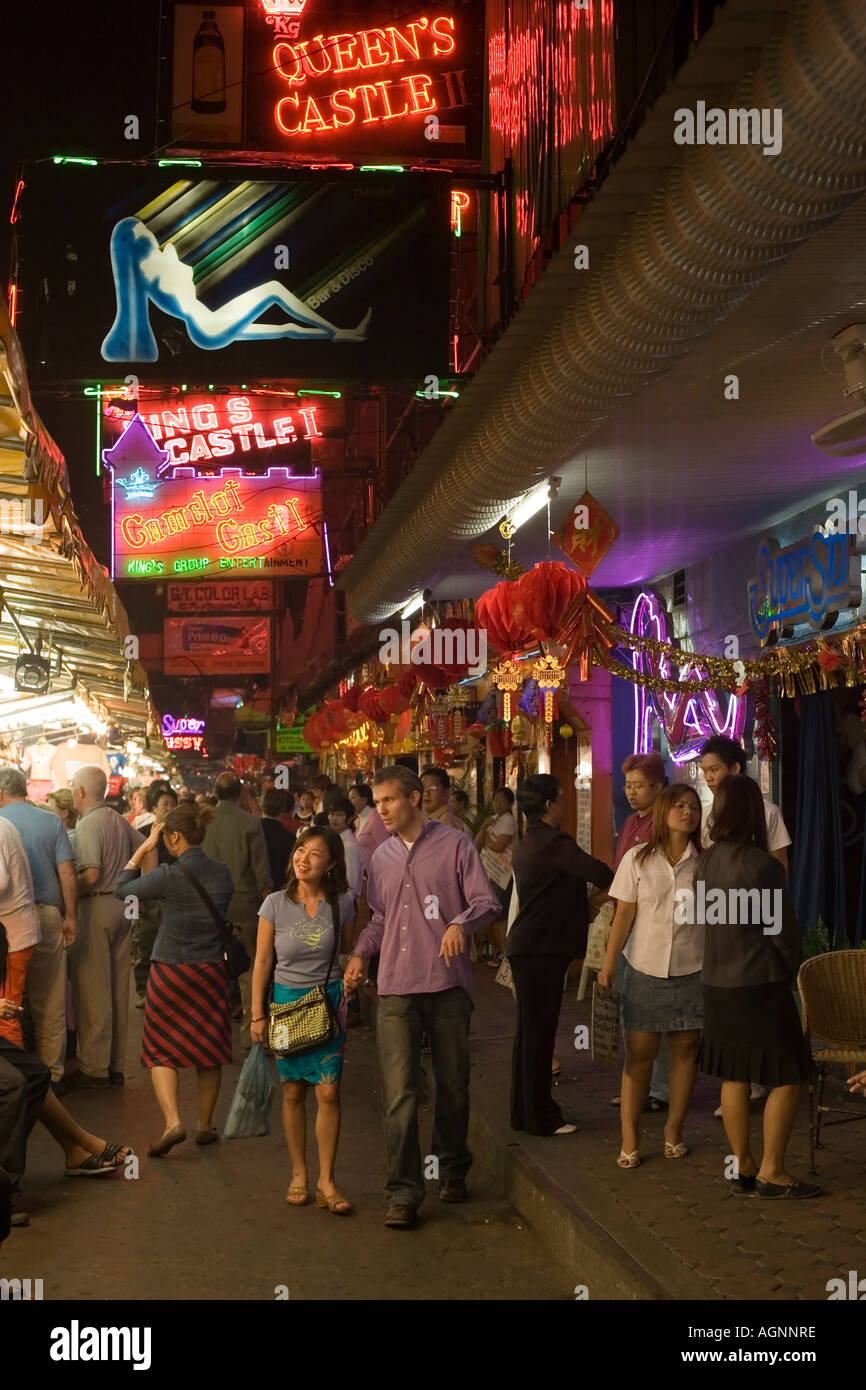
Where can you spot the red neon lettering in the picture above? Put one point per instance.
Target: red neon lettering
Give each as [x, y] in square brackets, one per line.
[263, 443]
[284, 431]
[204, 417]
[198, 449]
[446, 38]
[176, 420]
[410, 82]
[309, 416]
[370, 118]
[171, 445]
[319, 42]
[221, 443]
[410, 44]
[313, 118]
[350, 39]
[243, 431]
[130, 529]
[337, 107]
[278, 63]
[239, 410]
[278, 114]
[389, 114]
[374, 47]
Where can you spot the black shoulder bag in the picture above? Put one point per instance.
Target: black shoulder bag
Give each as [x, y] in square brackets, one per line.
[235, 956]
[310, 1021]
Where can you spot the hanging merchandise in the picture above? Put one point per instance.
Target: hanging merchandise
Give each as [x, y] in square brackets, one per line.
[520, 731]
[507, 677]
[587, 535]
[550, 675]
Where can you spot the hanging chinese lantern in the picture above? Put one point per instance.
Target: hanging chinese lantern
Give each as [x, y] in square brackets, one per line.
[507, 677]
[566, 731]
[550, 675]
[496, 614]
[370, 705]
[543, 595]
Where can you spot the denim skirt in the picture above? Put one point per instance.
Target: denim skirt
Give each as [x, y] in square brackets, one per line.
[653, 1005]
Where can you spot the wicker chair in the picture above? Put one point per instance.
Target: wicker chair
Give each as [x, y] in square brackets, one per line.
[833, 990]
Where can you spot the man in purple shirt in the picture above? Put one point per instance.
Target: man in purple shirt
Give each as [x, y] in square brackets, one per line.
[428, 892]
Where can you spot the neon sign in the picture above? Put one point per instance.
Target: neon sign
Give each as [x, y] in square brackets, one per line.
[184, 725]
[199, 429]
[810, 582]
[187, 743]
[355, 85]
[200, 524]
[687, 720]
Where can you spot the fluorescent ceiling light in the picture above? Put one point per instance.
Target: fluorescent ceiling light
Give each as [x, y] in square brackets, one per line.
[531, 504]
[412, 606]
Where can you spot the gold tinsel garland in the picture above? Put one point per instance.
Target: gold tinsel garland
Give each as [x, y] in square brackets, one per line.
[794, 670]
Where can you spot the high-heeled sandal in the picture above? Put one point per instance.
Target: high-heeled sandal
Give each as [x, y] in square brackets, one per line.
[298, 1195]
[675, 1150]
[339, 1205]
[631, 1160]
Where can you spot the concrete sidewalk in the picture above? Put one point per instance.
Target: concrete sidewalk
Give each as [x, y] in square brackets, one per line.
[668, 1229]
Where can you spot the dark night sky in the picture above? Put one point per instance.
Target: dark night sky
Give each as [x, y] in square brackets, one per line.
[73, 73]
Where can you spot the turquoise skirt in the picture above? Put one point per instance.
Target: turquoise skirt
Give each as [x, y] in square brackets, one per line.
[325, 1064]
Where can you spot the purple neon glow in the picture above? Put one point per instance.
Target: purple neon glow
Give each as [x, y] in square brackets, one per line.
[327, 552]
[699, 718]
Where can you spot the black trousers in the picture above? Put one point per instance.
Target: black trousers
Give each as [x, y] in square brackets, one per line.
[24, 1082]
[538, 982]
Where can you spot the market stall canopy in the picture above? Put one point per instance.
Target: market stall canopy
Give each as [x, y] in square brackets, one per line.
[678, 236]
[56, 598]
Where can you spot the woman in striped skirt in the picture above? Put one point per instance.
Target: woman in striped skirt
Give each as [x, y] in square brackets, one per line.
[187, 1015]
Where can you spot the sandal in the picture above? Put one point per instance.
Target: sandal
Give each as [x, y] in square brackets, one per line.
[94, 1166]
[341, 1206]
[298, 1195]
[675, 1150]
[631, 1160]
[116, 1154]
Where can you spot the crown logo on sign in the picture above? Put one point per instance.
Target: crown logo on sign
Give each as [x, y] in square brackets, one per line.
[138, 484]
[295, 8]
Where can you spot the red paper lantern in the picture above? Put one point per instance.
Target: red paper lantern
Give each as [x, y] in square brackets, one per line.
[370, 705]
[352, 698]
[496, 614]
[392, 700]
[543, 595]
[499, 742]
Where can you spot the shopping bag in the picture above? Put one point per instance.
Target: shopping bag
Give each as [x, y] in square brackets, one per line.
[503, 975]
[604, 1035]
[250, 1110]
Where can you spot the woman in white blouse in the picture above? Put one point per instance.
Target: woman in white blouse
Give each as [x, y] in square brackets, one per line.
[662, 986]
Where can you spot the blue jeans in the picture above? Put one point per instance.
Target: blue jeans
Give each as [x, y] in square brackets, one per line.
[402, 1019]
[660, 1081]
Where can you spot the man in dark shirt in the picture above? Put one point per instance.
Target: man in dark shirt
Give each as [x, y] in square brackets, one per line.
[280, 841]
[550, 877]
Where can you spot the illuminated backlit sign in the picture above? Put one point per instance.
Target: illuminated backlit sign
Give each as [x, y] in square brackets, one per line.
[371, 80]
[184, 725]
[195, 525]
[220, 275]
[221, 596]
[687, 720]
[811, 581]
[217, 646]
[186, 743]
[207, 430]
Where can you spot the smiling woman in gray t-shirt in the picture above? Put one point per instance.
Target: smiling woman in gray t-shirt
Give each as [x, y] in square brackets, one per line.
[298, 924]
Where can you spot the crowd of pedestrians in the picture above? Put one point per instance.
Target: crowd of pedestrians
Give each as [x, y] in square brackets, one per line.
[325, 887]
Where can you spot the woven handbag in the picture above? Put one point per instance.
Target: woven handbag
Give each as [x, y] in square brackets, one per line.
[308, 1022]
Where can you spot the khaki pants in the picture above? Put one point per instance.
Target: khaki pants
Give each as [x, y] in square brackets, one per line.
[99, 964]
[247, 931]
[46, 990]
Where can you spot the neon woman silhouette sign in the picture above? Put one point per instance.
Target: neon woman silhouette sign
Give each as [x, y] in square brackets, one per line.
[687, 720]
[145, 274]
